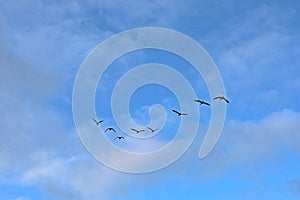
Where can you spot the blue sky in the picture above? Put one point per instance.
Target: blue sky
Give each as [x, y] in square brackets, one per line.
[255, 45]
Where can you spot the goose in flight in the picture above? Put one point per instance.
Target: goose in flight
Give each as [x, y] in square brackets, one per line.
[179, 113]
[110, 129]
[202, 102]
[152, 130]
[98, 122]
[221, 98]
[119, 138]
[137, 131]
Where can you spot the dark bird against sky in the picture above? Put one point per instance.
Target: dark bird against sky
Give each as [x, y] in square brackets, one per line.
[179, 113]
[98, 122]
[119, 138]
[152, 130]
[202, 102]
[137, 131]
[110, 129]
[221, 98]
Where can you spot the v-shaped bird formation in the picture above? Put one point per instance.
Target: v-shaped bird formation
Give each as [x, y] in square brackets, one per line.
[152, 130]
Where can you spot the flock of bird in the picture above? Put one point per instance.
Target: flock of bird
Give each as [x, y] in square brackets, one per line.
[97, 122]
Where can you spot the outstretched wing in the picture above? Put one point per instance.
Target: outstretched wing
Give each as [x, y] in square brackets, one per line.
[217, 98]
[202, 102]
[226, 100]
[206, 103]
[150, 129]
[95, 121]
[175, 111]
[134, 130]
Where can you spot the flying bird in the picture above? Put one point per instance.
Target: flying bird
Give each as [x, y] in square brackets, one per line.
[179, 113]
[152, 130]
[202, 102]
[221, 98]
[98, 122]
[137, 131]
[110, 129]
[119, 138]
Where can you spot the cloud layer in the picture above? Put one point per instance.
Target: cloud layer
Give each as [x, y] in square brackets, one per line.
[43, 45]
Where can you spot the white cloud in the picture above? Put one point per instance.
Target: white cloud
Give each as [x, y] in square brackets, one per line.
[119, 15]
[249, 143]
[243, 145]
[80, 177]
[77, 26]
[257, 59]
[49, 168]
[25, 118]
[18, 77]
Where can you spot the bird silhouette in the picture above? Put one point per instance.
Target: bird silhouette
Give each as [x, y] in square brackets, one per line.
[119, 138]
[202, 102]
[137, 131]
[179, 113]
[152, 130]
[98, 122]
[221, 98]
[110, 129]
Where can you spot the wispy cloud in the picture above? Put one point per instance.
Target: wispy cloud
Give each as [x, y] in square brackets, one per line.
[259, 54]
[254, 141]
[79, 177]
[243, 145]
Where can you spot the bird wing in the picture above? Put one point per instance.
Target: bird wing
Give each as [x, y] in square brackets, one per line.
[142, 130]
[113, 129]
[216, 97]
[184, 114]
[134, 130]
[206, 103]
[225, 99]
[175, 111]
[95, 121]
[150, 128]
[196, 100]
[106, 129]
